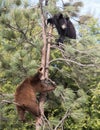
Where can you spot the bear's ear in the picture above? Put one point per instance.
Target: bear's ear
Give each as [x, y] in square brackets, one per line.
[67, 18]
[60, 16]
[50, 21]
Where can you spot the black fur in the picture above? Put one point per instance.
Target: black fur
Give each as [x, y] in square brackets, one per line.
[64, 26]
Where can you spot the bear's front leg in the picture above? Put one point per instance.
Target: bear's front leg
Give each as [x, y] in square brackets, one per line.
[60, 40]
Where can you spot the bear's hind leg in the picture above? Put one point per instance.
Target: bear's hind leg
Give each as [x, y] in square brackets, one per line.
[34, 109]
[21, 113]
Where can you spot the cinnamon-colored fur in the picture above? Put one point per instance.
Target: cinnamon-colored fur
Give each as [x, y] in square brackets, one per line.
[25, 95]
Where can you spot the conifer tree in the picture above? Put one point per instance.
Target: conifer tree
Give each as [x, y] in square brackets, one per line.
[74, 66]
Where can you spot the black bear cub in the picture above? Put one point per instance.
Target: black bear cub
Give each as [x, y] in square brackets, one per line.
[64, 26]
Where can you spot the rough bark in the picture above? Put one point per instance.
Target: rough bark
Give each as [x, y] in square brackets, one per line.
[45, 65]
[48, 52]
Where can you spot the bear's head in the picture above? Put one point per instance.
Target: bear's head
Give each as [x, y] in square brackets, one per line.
[58, 20]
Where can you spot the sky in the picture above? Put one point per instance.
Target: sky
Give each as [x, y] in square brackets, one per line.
[90, 7]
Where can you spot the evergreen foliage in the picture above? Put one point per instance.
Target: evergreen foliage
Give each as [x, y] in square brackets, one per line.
[75, 67]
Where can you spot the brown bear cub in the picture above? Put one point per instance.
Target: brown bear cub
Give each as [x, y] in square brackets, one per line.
[25, 95]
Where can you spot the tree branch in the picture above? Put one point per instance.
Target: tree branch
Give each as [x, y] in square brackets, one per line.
[9, 102]
[21, 31]
[6, 95]
[72, 61]
[63, 119]
[49, 125]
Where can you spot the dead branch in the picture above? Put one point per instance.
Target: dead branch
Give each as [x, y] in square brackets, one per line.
[67, 61]
[42, 97]
[48, 52]
[67, 114]
[6, 95]
[9, 102]
[43, 64]
[52, 82]
[49, 125]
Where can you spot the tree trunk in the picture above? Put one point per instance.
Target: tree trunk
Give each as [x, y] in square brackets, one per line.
[45, 65]
[48, 52]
